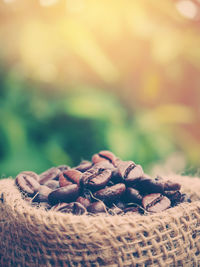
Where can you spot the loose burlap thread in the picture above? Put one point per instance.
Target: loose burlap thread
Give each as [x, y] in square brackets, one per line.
[35, 237]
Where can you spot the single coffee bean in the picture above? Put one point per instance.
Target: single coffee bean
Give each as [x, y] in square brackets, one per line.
[122, 167]
[27, 183]
[95, 178]
[97, 207]
[73, 207]
[146, 185]
[73, 175]
[96, 158]
[157, 185]
[171, 186]
[133, 174]
[63, 181]
[64, 194]
[104, 155]
[32, 174]
[155, 202]
[103, 165]
[84, 166]
[129, 171]
[84, 201]
[111, 193]
[50, 174]
[53, 184]
[133, 195]
[167, 184]
[42, 194]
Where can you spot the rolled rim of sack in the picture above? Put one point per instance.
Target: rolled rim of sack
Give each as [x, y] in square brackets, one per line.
[35, 237]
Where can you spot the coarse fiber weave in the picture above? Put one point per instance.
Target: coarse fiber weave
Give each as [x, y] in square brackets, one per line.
[34, 237]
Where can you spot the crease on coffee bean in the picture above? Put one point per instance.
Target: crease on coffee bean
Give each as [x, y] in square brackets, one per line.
[154, 202]
[129, 169]
[104, 157]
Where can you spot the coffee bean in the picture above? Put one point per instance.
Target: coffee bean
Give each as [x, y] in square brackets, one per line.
[50, 174]
[63, 181]
[122, 167]
[32, 174]
[84, 166]
[42, 195]
[102, 156]
[97, 207]
[146, 185]
[155, 202]
[53, 184]
[95, 178]
[111, 193]
[64, 194]
[84, 201]
[103, 165]
[157, 185]
[27, 183]
[72, 175]
[171, 186]
[129, 171]
[167, 184]
[133, 195]
[73, 207]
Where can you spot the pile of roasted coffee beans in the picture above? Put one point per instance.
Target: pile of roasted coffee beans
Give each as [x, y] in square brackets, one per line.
[105, 185]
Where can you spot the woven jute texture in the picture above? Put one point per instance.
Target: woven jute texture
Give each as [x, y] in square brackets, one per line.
[35, 237]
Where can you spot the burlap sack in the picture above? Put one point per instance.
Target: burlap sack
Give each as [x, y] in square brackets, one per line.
[34, 237]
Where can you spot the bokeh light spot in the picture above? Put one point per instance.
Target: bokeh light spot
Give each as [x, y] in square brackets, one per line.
[187, 8]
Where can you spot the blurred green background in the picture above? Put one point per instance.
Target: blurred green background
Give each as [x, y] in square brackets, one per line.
[79, 76]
